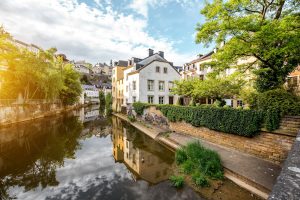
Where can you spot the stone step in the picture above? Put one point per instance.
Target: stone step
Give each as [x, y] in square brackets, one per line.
[289, 128]
[290, 123]
[285, 132]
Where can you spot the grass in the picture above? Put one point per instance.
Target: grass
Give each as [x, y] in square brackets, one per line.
[131, 118]
[203, 164]
[177, 181]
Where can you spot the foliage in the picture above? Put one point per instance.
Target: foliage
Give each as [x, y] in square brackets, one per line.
[131, 118]
[219, 103]
[279, 99]
[212, 87]
[272, 119]
[39, 75]
[177, 181]
[240, 122]
[200, 180]
[71, 90]
[101, 98]
[108, 104]
[180, 156]
[139, 107]
[202, 163]
[267, 31]
[249, 96]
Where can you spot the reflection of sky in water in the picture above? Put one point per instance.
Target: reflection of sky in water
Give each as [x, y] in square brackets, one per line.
[94, 174]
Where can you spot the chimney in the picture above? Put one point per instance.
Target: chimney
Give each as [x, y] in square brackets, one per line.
[161, 53]
[150, 52]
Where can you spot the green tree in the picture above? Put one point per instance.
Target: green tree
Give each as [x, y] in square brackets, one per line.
[72, 88]
[212, 87]
[101, 98]
[268, 31]
[108, 104]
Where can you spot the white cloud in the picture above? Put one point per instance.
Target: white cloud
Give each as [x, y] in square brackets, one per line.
[82, 32]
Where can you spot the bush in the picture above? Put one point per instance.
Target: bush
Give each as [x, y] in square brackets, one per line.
[240, 122]
[272, 119]
[202, 163]
[131, 118]
[139, 107]
[180, 156]
[177, 181]
[108, 104]
[200, 180]
[101, 98]
[219, 103]
[279, 99]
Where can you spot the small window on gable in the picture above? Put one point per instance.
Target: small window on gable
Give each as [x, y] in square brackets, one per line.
[157, 69]
[165, 70]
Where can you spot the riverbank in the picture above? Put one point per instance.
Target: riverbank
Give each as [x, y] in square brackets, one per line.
[18, 113]
[252, 173]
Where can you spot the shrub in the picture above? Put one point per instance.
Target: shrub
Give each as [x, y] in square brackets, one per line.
[272, 119]
[279, 99]
[139, 107]
[200, 180]
[240, 122]
[101, 98]
[219, 103]
[108, 104]
[180, 156]
[177, 181]
[202, 163]
[131, 118]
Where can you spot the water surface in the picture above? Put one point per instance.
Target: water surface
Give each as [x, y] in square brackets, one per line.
[84, 156]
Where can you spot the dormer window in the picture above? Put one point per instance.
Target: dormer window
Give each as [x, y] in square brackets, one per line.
[157, 69]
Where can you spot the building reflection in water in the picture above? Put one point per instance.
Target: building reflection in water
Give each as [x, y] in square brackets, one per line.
[144, 157]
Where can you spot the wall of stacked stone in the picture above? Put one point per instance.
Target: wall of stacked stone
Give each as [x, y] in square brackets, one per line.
[23, 112]
[269, 146]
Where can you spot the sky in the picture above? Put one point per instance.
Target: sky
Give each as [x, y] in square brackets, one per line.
[101, 30]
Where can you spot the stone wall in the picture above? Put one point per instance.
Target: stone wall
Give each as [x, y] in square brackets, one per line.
[288, 182]
[22, 112]
[269, 146]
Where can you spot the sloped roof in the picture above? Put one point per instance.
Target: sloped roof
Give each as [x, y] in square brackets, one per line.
[149, 59]
[202, 58]
[296, 72]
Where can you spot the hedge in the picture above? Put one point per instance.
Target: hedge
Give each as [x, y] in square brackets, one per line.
[236, 121]
[240, 122]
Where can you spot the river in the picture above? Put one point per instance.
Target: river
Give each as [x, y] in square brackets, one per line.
[83, 155]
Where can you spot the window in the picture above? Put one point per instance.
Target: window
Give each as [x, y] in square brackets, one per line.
[201, 77]
[161, 100]
[134, 85]
[201, 68]
[126, 88]
[171, 85]
[150, 99]
[134, 99]
[157, 69]
[239, 103]
[161, 85]
[150, 85]
[165, 70]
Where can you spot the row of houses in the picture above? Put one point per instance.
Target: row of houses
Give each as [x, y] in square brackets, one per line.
[151, 79]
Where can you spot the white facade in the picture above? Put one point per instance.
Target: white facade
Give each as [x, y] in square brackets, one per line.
[136, 83]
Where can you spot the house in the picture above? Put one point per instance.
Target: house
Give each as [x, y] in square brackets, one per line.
[104, 69]
[82, 67]
[199, 68]
[293, 81]
[117, 84]
[30, 47]
[90, 94]
[150, 80]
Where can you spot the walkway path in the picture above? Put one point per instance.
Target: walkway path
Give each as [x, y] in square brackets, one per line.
[253, 173]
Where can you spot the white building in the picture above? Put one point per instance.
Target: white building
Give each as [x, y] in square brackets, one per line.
[90, 94]
[149, 80]
[104, 69]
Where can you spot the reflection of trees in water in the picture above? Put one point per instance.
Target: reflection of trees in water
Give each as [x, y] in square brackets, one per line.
[46, 144]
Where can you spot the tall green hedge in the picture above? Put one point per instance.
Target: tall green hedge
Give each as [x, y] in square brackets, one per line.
[240, 122]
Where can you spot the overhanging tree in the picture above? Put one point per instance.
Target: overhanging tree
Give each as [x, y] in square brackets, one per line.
[266, 30]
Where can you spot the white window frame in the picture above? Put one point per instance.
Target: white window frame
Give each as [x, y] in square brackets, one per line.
[163, 100]
[148, 85]
[163, 86]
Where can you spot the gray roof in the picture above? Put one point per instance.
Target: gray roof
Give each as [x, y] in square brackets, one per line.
[149, 59]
